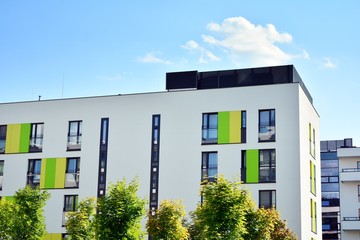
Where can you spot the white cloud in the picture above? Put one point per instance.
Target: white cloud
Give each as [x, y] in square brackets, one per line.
[247, 43]
[152, 58]
[205, 55]
[327, 63]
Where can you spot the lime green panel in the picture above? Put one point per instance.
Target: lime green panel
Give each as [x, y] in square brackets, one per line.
[50, 173]
[223, 127]
[235, 123]
[24, 138]
[252, 166]
[43, 173]
[12, 138]
[60, 173]
[53, 236]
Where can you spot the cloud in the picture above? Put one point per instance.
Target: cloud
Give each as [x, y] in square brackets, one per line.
[205, 55]
[327, 63]
[152, 58]
[248, 44]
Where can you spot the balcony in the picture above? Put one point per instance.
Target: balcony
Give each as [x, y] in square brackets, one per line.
[350, 224]
[350, 175]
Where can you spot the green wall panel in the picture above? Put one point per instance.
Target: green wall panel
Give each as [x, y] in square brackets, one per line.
[223, 127]
[24, 138]
[252, 166]
[52, 173]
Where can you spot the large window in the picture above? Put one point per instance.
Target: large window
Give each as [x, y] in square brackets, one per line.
[72, 173]
[267, 169]
[33, 175]
[70, 205]
[36, 137]
[1, 173]
[267, 125]
[209, 166]
[267, 198]
[74, 135]
[2, 138]
[210, 128]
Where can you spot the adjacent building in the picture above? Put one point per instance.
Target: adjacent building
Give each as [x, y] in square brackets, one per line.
[258, 124]
[330, 187]
[349, 166]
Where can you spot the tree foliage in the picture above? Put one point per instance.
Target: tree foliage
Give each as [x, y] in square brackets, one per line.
[80, 225]
[227, 212]
[167, 222]
[222, 212]
[120, 212]
[22, 217]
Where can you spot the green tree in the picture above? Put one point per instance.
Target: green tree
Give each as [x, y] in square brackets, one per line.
[120, 212]
[221, 215]
[167, 222]
[80, 224]
[22, 217]
[265, 224]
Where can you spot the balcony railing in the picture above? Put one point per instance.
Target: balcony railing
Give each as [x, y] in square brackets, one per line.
[33, 179]
[350, 223]
[350, 175]
[74, 142]
[36, 144]
[72, 180]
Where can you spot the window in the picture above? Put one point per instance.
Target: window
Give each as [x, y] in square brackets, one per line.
[267, 198]
[70, 205]
[243, 126]
[313, 178]
[1, 173]
[209, 166]
[358, 185]
[36, 137]
[267, 125]
[154, 169]
[210, 128]
[312, 140]
[72, 173]
[267, 165]
[104, 132]
[74, 135]
[313, 216]
[33, 175]
[2, 138]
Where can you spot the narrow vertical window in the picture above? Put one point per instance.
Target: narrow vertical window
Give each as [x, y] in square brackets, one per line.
[70, 205]
[36, 137]
[243, 166]
[74, 135]
[267, 198]
[210, 128]
[33, 175]
[358, 192]
[1, 173]
[72, 173]
[209, 167]
[267, 125]
[267, 168]
[313, 216]
[312, 178]
[104, 133]
[243, 126]
[2, 138]
[154, 165]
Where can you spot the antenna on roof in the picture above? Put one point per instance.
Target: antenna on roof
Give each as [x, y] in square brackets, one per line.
[39, 98]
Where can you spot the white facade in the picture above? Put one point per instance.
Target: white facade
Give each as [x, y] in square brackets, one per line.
[349, 167]
[181, 148]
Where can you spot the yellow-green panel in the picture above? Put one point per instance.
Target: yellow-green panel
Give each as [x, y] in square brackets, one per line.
[43, 173]
[53, 236]
[12, 138]
[60, 173]
[235, 127]
[24, 141]
[252, 166]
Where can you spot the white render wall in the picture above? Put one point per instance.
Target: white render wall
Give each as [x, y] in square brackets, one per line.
[130, 118]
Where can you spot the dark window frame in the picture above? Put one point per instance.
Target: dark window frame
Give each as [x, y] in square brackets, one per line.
[75, 176]
[270, 200]
[205, 167]
[32, 163]
[2, 162]
[269, 127]
[205, 140]
[271, 165]
[3, 138]
[77, 135]
[36, 142]
[73, 205]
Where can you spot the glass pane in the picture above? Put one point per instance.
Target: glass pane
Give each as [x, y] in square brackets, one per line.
[212, 160]
[329, 163]
[71, 168]
[213, 121]
[1, 168]
[264, 118]
[265, 198]
[37, 167]
[73, 130]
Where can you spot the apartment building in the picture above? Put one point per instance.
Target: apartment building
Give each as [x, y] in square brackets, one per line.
[349, 166]
[258, 124]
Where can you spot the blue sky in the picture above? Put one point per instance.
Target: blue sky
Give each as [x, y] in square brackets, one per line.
[63, 48]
